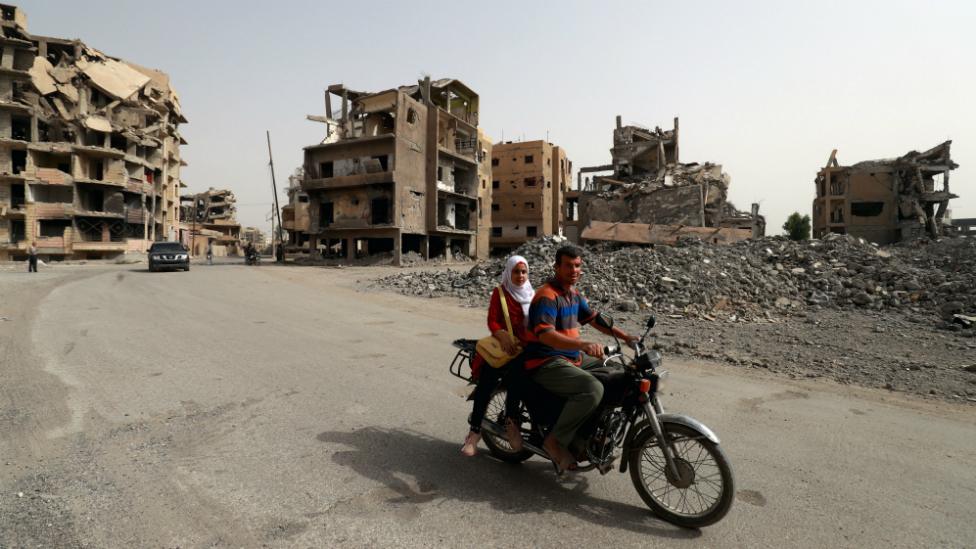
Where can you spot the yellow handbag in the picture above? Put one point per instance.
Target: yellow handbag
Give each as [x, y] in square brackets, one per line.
[490, 348]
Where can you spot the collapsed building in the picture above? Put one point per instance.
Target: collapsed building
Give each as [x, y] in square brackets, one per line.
[89, 148]
[294, 216]
[651, 197]
[885, 201]
[401, 170]
[529, 182]
[210, 218]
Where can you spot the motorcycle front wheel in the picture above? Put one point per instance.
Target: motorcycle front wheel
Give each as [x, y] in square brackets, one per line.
[702, 492]
[499, 446]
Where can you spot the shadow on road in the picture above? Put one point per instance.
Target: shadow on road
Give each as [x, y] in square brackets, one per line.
[442, 473]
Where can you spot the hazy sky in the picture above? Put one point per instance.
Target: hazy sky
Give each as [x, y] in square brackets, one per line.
[765, 88]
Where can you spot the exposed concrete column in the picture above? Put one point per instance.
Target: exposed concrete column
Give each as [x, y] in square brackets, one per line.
[425, 247]
[619, 122]
[350, 248]
[397, 248]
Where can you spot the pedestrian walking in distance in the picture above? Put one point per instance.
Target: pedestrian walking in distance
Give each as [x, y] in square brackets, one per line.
[32, 257]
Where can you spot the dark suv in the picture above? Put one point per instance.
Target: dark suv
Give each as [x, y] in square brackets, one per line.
[168, 255]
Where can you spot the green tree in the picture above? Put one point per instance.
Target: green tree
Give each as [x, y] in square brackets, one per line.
[797, 226]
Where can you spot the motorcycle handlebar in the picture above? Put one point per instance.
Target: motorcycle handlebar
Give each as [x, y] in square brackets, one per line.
[610, 350]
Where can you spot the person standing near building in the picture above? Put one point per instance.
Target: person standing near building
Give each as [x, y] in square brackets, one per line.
[209, 252]
[32, 257]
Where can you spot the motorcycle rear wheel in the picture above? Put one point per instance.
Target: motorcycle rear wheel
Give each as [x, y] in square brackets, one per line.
[499, 446]
[704, 492]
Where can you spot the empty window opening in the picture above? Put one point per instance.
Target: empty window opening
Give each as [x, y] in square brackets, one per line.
[303, 199]
[530, 205]
[18, 160]
[18, 230]
[20, 128]
[496, 231]
[494, 184]
[326, 214]
[529, 181]
[412, 243]
[17, 195]
[529, 159]
[8, 13]
[867, 209]
[496, 207]
[96, 170]
[462, 217]
[43, 131]
[384, 162]
[440, 173]
[326, 170]
[60, 162]
[379, 211]
[53, 228]
[118, 142]
[92, 200]
[548, 184]
[438, 246]
[494, 161]
[411, 116]
[531, 230]
[51, 194]
[484, 184]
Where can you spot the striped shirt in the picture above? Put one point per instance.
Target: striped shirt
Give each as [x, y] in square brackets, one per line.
[555, 308]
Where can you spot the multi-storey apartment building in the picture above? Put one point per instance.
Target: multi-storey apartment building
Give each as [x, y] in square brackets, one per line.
[400, 170]
[89, 148]
[529, 183]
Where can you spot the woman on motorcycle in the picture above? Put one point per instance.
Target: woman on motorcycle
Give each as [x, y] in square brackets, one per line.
[517, 292]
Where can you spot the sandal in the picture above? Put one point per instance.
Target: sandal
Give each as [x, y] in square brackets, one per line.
[470, 447]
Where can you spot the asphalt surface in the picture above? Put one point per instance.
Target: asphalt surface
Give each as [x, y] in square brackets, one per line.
[236, 406]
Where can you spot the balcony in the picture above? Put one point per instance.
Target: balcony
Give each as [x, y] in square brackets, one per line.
[99, 246]
[57, 210]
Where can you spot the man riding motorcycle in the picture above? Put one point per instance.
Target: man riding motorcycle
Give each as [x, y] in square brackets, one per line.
[554, 359]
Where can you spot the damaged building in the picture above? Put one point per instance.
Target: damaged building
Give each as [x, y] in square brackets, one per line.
[651, 197]
[294, 216]
[885, 201]
[401, 170]
[529, 182]
[89, 149]
[210, 218]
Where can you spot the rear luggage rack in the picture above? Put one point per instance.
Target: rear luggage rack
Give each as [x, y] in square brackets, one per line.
[464, 356]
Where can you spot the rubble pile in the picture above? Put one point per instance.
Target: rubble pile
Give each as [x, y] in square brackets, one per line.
[748, 280]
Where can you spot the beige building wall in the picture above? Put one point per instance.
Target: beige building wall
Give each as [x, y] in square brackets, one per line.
[529, 180]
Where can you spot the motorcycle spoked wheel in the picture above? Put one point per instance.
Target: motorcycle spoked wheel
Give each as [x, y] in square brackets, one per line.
[704, 489]
[499, 446]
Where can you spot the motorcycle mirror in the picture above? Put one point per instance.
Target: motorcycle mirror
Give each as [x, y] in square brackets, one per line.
[651, 321]
[604, 321]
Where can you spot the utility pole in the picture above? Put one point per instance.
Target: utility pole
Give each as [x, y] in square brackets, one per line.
[277, 210]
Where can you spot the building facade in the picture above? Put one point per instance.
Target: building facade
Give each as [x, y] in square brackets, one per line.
[402, 170]
[210, 218]
[89, 149]
[529, 184]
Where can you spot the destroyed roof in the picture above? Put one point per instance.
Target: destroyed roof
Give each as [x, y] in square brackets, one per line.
[938, 155]
[411, 90]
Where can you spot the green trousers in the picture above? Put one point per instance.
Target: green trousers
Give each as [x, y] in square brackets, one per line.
[581, 390]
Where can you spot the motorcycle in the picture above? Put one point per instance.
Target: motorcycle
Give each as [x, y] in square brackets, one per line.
[252, 258]
[675, 462]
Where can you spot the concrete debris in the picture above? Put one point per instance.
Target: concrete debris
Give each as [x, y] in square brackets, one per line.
[746, 280]
[90, 156]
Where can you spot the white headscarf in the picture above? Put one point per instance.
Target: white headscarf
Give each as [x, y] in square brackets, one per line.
[523, 294]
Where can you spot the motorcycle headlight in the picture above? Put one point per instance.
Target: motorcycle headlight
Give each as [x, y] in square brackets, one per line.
[654, 358]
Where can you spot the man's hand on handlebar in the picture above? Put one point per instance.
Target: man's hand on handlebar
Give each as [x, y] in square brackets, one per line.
[595, 350]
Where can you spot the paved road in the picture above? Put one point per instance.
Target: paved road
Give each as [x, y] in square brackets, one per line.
[233, 406]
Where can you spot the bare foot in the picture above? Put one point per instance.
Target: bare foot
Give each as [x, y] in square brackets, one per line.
[514, 435]
[470, 448]
[563, 459]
